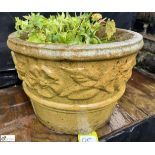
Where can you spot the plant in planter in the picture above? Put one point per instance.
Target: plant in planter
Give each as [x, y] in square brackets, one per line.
[74, 69]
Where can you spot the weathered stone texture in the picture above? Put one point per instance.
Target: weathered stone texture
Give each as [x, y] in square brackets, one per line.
[74, 88]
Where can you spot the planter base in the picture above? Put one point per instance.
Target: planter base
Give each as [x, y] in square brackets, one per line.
[73, 118]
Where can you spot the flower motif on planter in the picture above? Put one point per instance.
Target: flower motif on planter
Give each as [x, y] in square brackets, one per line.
[47, 83]
[77, 83]
[43, 80]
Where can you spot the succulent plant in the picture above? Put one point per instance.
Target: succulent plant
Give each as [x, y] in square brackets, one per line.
[65, 29]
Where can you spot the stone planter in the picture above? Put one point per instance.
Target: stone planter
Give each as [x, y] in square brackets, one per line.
[74, 88]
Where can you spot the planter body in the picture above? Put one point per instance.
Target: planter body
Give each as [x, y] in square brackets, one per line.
[74, 88]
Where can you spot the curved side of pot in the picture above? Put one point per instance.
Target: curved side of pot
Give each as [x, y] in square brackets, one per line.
[75, 88]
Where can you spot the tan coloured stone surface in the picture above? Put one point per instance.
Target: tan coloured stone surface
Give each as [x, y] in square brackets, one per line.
[74, 88]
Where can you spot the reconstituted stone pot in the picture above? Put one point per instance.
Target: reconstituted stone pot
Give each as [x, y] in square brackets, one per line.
[74, 88]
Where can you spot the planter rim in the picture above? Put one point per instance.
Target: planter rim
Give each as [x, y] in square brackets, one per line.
[77, 52]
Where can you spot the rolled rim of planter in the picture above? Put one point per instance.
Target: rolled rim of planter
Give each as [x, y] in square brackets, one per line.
[78, 52]
[58, 106]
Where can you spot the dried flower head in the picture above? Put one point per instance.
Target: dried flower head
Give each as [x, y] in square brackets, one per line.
[96, 16]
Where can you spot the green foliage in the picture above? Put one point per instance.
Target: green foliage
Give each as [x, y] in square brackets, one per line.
[63, 28]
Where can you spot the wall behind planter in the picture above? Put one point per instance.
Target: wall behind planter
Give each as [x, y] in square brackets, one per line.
[145, 24]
